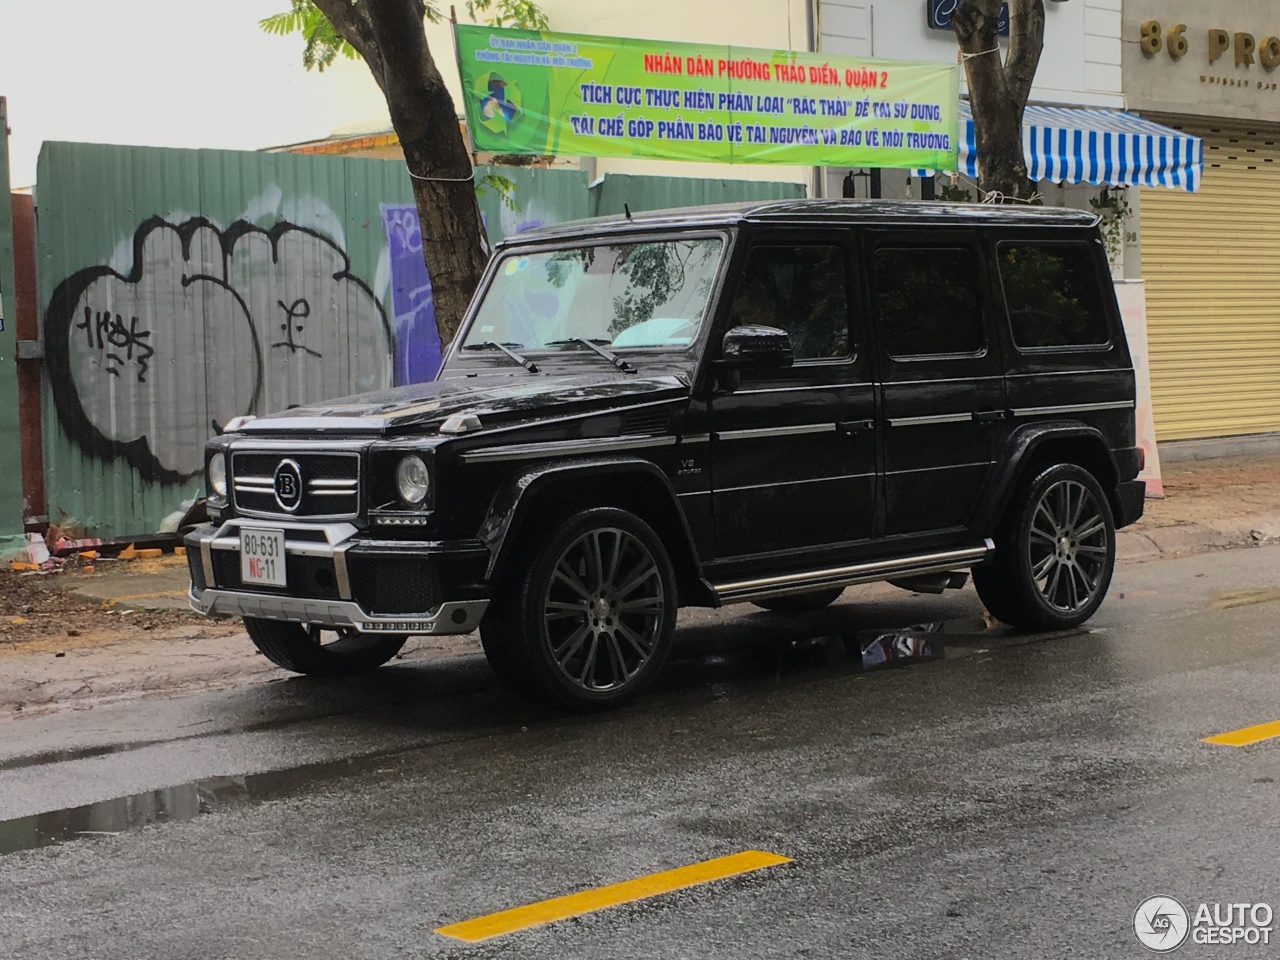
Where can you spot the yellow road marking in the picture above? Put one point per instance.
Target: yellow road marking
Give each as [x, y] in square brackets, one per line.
[576, 904]
[1247, 735]
[1243, 598]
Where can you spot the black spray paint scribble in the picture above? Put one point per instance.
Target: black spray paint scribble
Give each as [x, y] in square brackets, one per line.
[109, 334]
[206, 325]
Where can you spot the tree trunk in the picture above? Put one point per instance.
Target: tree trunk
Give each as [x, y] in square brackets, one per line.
[389, 36]
[998, 91]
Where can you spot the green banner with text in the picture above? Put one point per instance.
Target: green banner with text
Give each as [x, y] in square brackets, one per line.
[536, 92]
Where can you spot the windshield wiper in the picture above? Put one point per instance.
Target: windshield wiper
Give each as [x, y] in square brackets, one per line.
[609, 355]
[494, 345]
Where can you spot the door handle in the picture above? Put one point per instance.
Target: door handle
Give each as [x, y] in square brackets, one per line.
[985, 415]
[855, 426]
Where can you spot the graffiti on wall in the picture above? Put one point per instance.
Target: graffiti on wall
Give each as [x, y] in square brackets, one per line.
[417, 340]
[208, 323]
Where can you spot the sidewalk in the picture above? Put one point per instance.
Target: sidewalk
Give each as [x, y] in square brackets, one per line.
[71, 639]
[1208, 505]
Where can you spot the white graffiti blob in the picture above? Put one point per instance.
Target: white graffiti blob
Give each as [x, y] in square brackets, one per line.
[321, 332]
[153, 361]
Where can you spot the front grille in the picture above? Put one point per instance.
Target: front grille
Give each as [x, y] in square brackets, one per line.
[331, 483]
[310, 577]
[391, 585]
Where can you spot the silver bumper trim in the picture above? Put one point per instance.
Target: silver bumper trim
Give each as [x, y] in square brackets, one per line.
[452, 617]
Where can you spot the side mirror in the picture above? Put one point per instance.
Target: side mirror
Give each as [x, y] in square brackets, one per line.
[754, 347]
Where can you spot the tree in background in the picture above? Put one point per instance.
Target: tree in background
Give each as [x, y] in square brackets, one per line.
[998, 90]
[389, 36]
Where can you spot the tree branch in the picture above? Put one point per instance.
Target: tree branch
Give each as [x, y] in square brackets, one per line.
[1026, 40]
[353, 26]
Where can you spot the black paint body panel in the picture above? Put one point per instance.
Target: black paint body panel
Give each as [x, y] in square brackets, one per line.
[748, 472]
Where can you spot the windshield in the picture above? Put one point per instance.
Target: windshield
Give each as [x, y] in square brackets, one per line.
[623, 295]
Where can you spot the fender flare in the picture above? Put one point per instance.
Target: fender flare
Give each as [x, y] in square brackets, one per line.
[1019, 450]
[514, 499]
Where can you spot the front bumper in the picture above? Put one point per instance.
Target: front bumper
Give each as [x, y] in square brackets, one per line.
[340, 578]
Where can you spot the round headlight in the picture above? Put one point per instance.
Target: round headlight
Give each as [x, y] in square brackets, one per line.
[412, 480]
[218, 474]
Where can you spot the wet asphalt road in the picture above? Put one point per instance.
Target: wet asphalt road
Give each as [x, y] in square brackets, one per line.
[1017, 798]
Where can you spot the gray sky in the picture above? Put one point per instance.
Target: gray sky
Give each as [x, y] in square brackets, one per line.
[175, 73]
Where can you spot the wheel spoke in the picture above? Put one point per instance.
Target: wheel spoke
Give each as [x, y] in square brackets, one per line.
[1091, 551]
[589, 662]
[643, 647]
[611, 576]
[1043, 508]
[1096, 525]
[1051, 588]
[1048, 538]
[595, 557]
[1073, 594]
[1041, 568]
[556, 609]
[644, 607]
[565, 652]
[1081, 503]
[566, 574]
[643, 572]
[621, 673]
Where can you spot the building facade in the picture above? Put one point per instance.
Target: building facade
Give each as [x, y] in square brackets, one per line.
[1211, 258]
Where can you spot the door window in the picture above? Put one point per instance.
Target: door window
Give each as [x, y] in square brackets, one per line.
[802, 290]
[928, 302]
[1053, 296]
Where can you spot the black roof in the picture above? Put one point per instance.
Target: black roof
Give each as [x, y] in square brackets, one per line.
[914, 212]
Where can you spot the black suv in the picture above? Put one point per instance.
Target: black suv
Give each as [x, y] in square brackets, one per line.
[761, 403]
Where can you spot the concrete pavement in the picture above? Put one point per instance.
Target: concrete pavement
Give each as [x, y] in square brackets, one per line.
[1019, 798]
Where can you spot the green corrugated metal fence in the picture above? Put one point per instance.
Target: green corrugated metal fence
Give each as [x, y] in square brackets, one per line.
[180, 288]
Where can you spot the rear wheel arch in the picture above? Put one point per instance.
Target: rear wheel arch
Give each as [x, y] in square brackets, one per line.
[1038, 446]
[550, 492]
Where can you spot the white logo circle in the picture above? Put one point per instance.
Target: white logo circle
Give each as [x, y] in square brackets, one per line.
[1161, 924]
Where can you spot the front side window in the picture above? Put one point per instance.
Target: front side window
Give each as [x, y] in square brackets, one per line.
[1052, 294]
[621, 294]
[928, 303]
[799, 289]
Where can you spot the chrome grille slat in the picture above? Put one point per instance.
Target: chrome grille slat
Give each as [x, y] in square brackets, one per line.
[331, 482]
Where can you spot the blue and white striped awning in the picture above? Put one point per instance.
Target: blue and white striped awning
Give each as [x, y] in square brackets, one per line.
[1071, 145]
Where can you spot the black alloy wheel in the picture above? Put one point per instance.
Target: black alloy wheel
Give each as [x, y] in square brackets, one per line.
[588, 619]
[1055, 553]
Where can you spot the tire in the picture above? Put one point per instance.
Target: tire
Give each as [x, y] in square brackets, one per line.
[555, 630]
[801, 602]
[303, 649]
[1055, 552]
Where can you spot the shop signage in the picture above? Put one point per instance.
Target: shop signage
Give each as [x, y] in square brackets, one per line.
[1244, 48]
[542, 93]
[939, 13]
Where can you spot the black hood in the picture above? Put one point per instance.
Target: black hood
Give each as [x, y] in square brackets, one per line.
[424, 404]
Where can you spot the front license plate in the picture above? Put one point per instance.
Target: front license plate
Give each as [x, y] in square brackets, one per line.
[262, 557]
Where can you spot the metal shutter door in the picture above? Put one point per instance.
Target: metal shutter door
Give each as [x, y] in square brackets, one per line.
[1212, 265]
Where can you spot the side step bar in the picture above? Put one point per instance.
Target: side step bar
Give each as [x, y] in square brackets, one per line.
[846, 576]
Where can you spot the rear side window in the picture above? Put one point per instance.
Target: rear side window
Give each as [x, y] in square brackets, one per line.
[927, 301]
[1052, 294]
[799, 289]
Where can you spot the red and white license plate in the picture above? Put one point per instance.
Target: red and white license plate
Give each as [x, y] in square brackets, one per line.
[262, 557]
